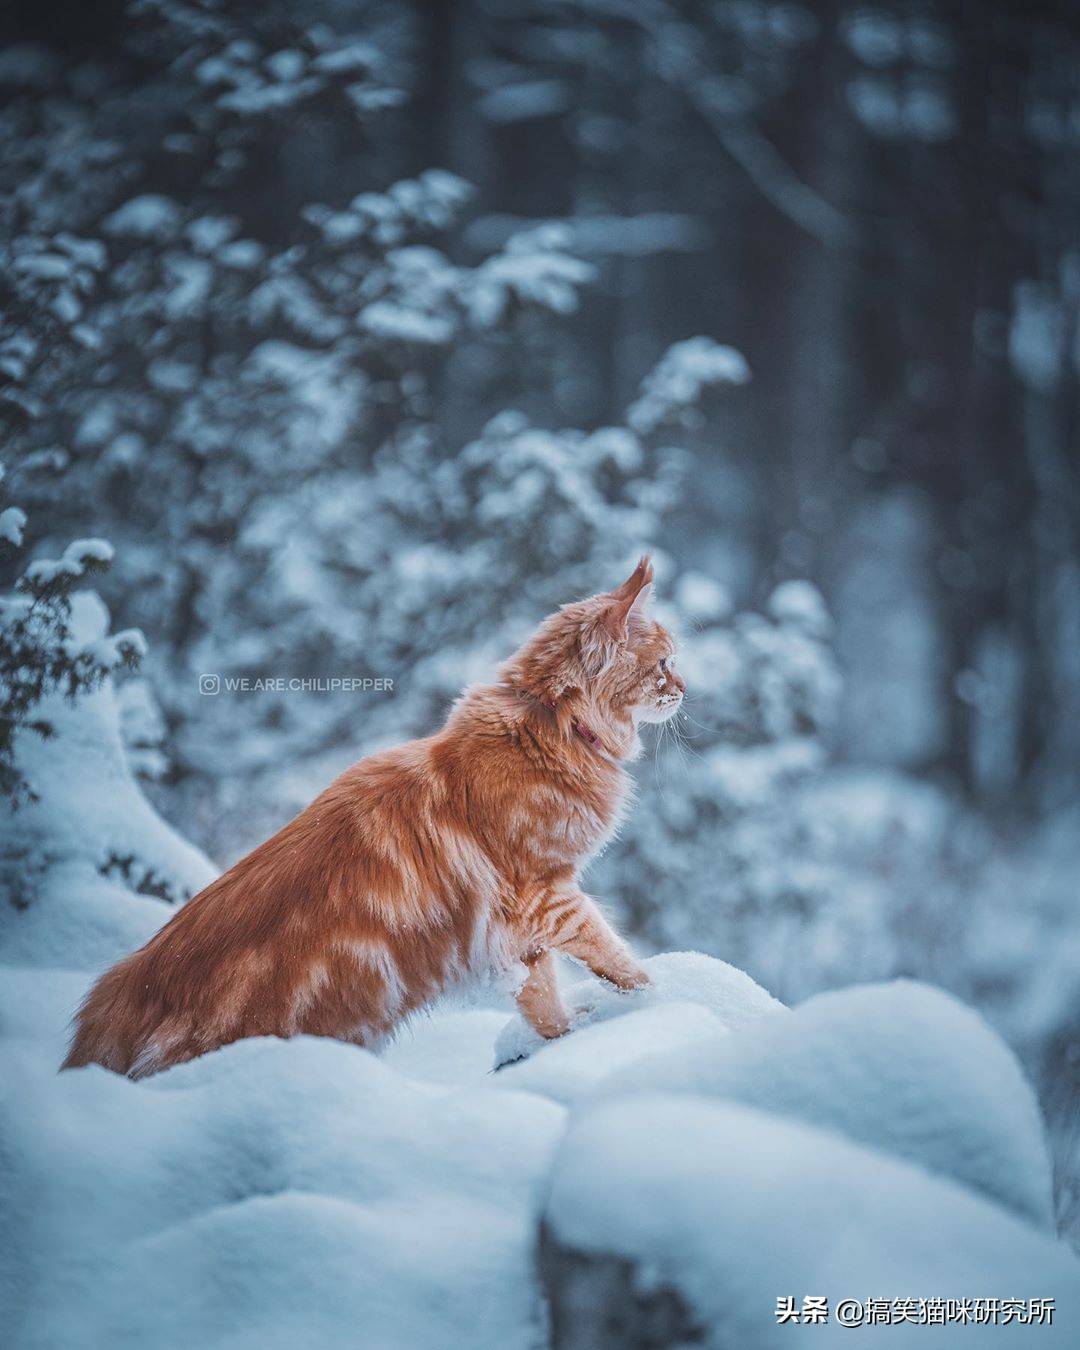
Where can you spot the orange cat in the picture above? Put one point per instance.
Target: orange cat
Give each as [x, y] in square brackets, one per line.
[449, 857]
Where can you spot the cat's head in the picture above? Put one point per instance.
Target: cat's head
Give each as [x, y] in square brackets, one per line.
[604, 660]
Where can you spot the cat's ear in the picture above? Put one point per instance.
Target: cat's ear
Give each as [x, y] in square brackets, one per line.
[628, 603]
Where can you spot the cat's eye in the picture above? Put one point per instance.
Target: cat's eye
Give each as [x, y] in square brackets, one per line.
[666, 662]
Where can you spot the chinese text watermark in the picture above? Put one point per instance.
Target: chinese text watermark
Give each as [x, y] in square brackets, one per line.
[927, 1312]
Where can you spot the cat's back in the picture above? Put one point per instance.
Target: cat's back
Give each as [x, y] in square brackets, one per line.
[325, 890]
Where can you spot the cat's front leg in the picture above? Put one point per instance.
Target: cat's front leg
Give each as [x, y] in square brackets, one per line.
[584, 933]
[539, 1000]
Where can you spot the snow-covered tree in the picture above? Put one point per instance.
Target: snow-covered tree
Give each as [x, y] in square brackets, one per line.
[40, 655]
[190, 373]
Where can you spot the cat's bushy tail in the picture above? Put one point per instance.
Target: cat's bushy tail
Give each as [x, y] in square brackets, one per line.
[111, 1024]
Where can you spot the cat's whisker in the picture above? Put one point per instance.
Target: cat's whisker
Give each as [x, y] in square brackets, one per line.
[712, 731]
[685, 748]
[677, 741]
[660, 758]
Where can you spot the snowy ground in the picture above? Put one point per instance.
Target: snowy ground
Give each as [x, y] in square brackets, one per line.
[879, 1141]
[306, 1193]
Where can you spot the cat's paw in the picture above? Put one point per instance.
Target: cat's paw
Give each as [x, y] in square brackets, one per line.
[633, 979]
[551, 1031]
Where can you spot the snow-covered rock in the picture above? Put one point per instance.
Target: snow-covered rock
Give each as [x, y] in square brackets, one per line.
[677, 977]
[901, 1067]
[574, 1067]
[275, 1194]
[708, 1212]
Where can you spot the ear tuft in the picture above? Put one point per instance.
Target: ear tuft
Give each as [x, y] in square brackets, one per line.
[641, 576]
[628, 601]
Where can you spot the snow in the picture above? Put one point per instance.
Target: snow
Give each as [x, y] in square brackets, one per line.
[261, 98]
[533, 268]
[171, 376]
[734, 1208]
[269, 1194]
[677, 383]
[127, 647]
[801, 604]
[352, 56]
[273, 438]
[12, 524]
[73, 562]
[144, 217]
[574, 1067]
[396, 323]
[189, 284]
[447, 1046]
[283, 1193]
[693, 1001]
[142, 728]
[287, 64]
[44, 266]
[601, 235]
[209, 234]
[901, 1067]
[681, 978]
[702, 599]
[368, 98]
[89, 810]
[241, 254]
[928, 114]
[325, 394]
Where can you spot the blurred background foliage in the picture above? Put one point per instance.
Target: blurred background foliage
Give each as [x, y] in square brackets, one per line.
[367, 332]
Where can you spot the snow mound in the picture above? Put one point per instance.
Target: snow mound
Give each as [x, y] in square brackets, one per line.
[77, 919]
[573, 1067]
[448, 1046]
[90, 860]
[277, 1193]
[901, 1067]
[720, 1209]
[677, 977]
[88, 805]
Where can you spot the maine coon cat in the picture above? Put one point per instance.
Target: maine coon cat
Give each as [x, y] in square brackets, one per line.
[445, 858]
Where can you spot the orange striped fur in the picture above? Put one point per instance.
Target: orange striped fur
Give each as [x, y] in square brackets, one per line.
[446, 859]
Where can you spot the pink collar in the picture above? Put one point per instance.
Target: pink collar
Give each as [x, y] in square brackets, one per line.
[588, 735]
[591, 739]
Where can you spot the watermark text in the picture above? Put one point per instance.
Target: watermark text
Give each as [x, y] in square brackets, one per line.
[295, 684]
[927, 1312]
